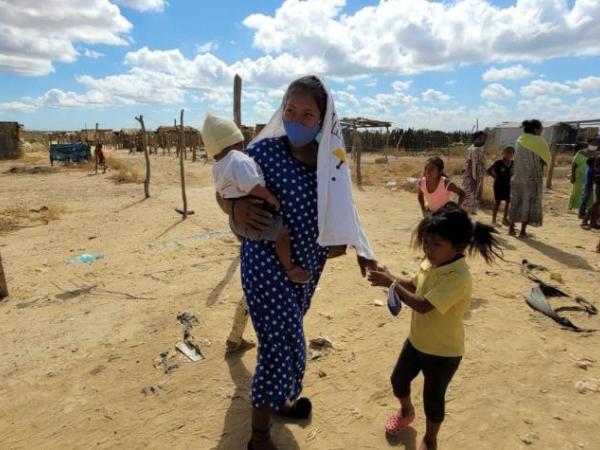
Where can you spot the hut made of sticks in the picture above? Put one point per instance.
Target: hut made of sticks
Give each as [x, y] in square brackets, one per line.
[168, 136]
[129, 138]
[100, 136]
[10, 143]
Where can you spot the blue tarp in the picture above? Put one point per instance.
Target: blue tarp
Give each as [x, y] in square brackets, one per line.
[69, 152]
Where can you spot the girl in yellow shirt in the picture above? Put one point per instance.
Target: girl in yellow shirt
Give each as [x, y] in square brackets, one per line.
[439, 294]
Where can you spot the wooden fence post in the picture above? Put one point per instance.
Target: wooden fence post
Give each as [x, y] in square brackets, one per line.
[358, 157]
[554, 149]
[237, 100]
[181, 144]
[140, 119]
[3, 286]
[387, 143]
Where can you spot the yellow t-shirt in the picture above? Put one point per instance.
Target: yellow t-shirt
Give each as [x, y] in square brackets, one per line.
[448, 288]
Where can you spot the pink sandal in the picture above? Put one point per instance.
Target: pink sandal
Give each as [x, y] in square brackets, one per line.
[397, 422]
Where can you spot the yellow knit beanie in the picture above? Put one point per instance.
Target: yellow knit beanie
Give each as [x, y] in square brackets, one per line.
[219, 133]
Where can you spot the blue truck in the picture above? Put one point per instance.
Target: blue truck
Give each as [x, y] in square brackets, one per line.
[75, 152]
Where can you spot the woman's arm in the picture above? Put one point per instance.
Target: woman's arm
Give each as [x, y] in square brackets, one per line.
[458, 191]
[422, 202]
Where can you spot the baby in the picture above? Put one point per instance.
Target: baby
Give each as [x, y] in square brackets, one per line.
[236, 175]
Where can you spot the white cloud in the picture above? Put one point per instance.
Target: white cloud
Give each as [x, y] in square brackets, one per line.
[206, 47]
[496, 91]
[401, 85]
[350, 87]
[588, 84]
[32, 36]
[429, 35]
[92, 53]
[450, 82]
[543, 88]
[507, 73]
[431, 95]
[17, 107]
[143, 5]
[548, 107]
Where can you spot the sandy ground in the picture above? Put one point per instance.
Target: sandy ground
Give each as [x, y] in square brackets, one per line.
[79, 342]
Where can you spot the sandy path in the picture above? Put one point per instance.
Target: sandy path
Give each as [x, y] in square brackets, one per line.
[79, 342]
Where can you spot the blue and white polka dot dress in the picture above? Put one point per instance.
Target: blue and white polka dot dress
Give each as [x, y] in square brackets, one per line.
[277, 306]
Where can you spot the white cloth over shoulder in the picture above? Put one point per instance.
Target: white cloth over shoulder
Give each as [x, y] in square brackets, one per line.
[338, 220]
[236, 174]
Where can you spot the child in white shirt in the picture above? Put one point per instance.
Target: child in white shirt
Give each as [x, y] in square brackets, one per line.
[236, 175]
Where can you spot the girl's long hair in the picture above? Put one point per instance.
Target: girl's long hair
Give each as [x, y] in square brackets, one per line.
[454, 225]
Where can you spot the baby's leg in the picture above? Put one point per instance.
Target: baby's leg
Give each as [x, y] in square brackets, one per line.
[283, 250]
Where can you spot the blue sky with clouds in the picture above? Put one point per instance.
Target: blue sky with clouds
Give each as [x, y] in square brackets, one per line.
[419, 63]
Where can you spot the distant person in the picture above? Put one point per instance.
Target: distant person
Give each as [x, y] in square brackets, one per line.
[526, 185]
[578, 172]
[501, 172]
[435, 187]
[439, 294]
[236, 175]
[587, 195]
[100, 158]
[592, 215]
[474, 172]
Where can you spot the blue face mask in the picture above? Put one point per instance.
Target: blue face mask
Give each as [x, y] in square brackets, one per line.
[300, 135]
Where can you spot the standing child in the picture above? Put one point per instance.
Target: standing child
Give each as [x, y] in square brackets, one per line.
[100, 158]
[501, 171]
[439, 295]
[237, 175]
[435, 187]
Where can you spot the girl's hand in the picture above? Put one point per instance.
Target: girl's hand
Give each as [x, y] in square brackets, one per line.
[366, 265]
[248, 212]
[380, 277]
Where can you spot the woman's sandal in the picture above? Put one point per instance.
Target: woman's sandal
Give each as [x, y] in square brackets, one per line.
[397, 422]
[262, 434]
[301, 409]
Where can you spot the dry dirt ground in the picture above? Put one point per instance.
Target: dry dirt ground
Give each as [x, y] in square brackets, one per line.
[80, 364]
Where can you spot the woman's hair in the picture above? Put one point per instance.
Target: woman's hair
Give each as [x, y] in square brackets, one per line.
[454, 225]
[508, 149]
[477, 135]
[312, 86]
[529, 126]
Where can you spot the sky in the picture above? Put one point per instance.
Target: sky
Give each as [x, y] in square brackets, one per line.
[68, 64]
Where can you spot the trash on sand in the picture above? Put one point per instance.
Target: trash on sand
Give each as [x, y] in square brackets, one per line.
[97, 370]
[378, 303]
[209, 234]
[350, 357]
[527, 266]
[584, 364]
[163, 362]
[187, 319]
[84, 258]
[147, 390]
[315, 354]
[556, 277]
[322, 374]
[391, 184]
[528, 438]
[191, 351]
[320, 343]
[591, 385]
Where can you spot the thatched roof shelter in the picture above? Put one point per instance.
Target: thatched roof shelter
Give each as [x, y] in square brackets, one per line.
[10, 144]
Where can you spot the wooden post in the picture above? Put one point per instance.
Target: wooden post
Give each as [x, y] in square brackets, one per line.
[140, 119]
[387, 143]
[3, 286]
[554, 150]
[96, 143]
[358, 157]
[237, 100]
[181, 144]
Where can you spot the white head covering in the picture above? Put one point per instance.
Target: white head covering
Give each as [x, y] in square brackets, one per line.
[338, 220]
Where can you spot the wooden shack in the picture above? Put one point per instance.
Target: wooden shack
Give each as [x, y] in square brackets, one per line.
[167, 137]
[10, 143]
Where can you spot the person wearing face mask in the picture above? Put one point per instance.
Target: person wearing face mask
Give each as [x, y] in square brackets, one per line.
[301, 155]
[474, 173]
[526, 185]
[578, 176]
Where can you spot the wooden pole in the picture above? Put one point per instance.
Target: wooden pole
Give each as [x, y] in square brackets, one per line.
[387, 143]
[140, 119]
[358, 157]
[3, 286]
[181, 144]
[237, 100]
[554, 149]
[96, 143]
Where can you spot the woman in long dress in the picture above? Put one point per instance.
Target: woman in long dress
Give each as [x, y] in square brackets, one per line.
[526, 185]
[474, 173]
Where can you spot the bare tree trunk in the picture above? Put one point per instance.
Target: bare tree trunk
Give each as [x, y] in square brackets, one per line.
[237, 100]
[95, 156]
[140, 119]
[3, 286]
[181, 144]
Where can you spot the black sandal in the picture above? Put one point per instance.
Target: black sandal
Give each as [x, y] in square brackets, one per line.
[301, 409]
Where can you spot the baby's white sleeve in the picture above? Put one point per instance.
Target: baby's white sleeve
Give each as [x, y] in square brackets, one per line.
[248, 174]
